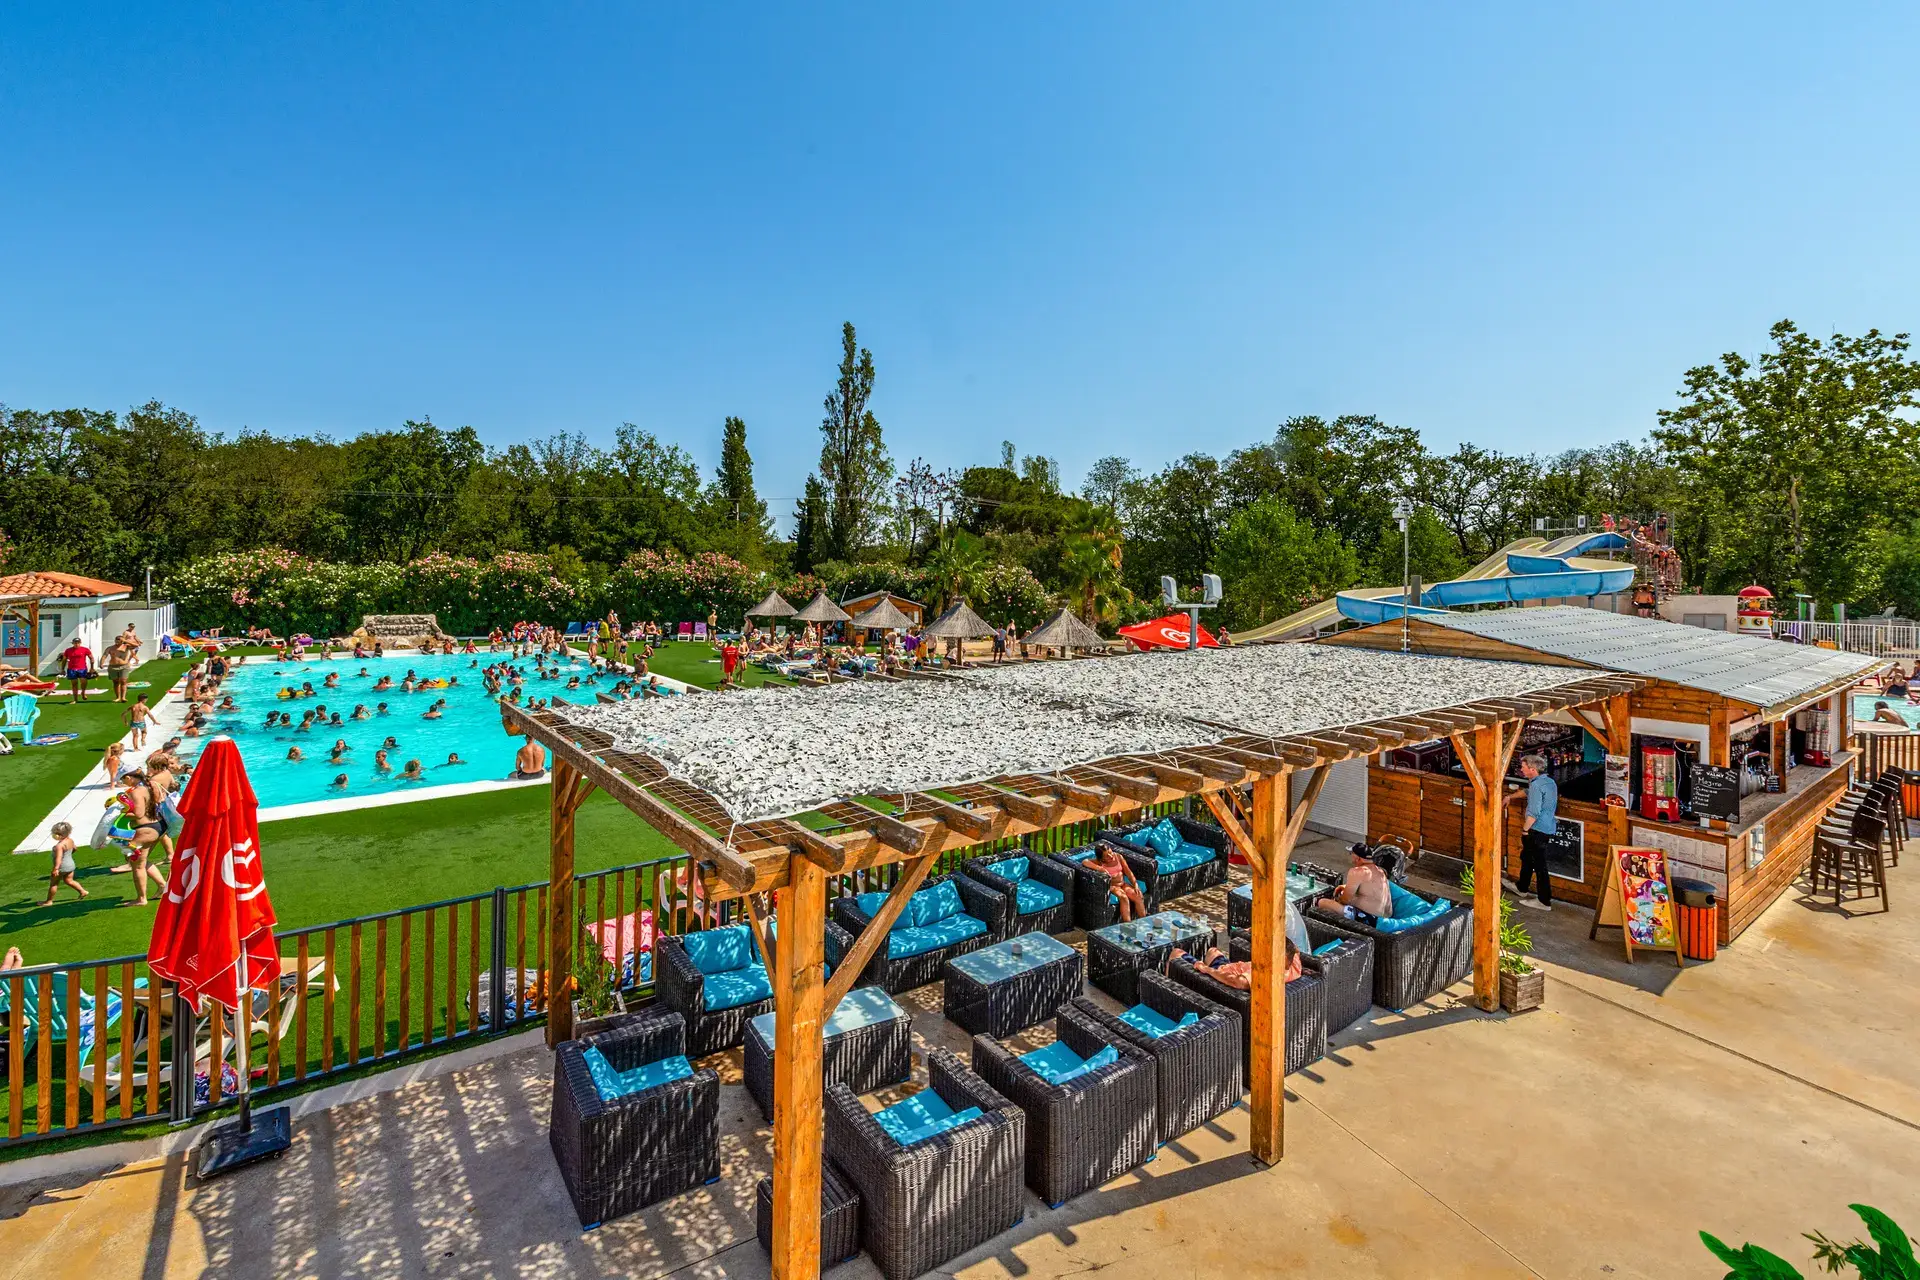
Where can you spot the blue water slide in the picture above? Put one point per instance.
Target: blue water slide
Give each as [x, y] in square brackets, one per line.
[1553, 572]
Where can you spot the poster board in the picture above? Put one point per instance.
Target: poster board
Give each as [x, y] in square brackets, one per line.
[1566, 850]
[1617, 780]
[1638, 900]
[1716, 791]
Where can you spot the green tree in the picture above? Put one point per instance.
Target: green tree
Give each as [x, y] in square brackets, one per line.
[809, 519]
[854, 467]
[1271, 562]
[1107, 481]
[1793, 460]
[403, 487]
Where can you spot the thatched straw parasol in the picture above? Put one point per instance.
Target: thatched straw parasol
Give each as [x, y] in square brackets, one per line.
[960, 623]
[774, 606]
[1065, 631]
[822, 610]
[885, 616]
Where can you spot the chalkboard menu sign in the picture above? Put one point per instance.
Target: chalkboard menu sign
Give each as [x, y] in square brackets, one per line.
[1716, 792]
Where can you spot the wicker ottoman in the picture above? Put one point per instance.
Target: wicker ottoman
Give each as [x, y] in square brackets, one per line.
[866, 1044]
[1119, 953]
[1011, 985]
[839, 1216]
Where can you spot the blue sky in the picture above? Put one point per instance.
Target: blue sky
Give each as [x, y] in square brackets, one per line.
[1092, 229]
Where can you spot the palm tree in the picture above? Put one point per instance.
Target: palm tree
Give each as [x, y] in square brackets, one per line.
[1092, 562]
[951, 566]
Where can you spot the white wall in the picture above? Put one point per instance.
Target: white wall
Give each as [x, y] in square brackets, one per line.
[84, 620]
[1341, 809]
[148, 624]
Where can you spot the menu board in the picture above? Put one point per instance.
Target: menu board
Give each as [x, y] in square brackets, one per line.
[1639, 901]
[1716, 791]
[1566, 850]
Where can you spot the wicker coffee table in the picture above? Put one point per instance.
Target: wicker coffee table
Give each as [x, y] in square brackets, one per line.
[866, 1044]
[1117, 954]
[1011, 985]
[1302, 891]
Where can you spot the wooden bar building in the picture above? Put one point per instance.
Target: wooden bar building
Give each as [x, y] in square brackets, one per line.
[1763, 707]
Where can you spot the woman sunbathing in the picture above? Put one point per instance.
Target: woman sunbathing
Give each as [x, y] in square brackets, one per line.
[1238, 974]
[1126, 890]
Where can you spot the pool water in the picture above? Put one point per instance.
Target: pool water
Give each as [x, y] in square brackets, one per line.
[469, 724]
[1863, 708]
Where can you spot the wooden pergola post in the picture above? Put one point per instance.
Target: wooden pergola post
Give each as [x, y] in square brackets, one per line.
[1619, 717]
[568, 788]
[1268, 1006]
[800, 999]
[1488, 772]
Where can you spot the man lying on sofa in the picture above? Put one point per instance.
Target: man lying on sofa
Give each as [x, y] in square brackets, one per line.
[1365, 889]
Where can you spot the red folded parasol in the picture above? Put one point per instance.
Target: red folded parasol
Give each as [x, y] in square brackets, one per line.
[1169, 632]
[216, 908]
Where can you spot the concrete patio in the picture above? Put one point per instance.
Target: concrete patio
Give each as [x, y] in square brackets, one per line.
[1754, 1097]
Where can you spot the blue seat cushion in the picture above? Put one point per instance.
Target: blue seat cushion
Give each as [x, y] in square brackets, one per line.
[870, 903]
[719, 950]
[1014, 869]
[1032, 897]
[1405, 901]
[1432, 911]
[736, 987]
[1076, 855]
[1187, 855]
[1057, 1064]
[1162, 837]
[610, 1082]
[917, 940]
[920, 1117]
[1327, 948]
[931, 906]
[1156, 1024]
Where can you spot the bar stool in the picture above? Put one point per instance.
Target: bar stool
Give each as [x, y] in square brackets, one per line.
[1853, 857]
[1885, 792]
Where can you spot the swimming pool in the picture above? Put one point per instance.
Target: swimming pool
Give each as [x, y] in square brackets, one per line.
[469, 726]
[1863, 708]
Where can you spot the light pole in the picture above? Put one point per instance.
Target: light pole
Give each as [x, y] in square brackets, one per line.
[1403, 513]
[1209, 599]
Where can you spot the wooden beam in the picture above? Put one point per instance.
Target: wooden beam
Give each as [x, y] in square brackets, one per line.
[875, 933]
[561, 925]
[904, 836]
[1464, 751]
[1258, 761]
[1172, 776]
[828, 855]
[1029, 809]
[1267, 1006]
[1125, 784]
[1231, 771]
[797, 1072]
[976, 824]
[1073, 794]
[1587, 722]
[1487, 809]
[757, 918]
[1217, 802]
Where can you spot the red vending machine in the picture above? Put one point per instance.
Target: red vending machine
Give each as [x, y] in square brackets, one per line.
[1659, 783]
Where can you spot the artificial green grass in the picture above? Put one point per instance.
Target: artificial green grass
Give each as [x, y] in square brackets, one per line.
[698, 662]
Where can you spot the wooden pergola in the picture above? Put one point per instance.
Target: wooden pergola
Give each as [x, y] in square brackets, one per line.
[24, 610]
[794, 859]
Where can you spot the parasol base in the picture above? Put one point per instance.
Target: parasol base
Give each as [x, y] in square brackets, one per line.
[228, 1147]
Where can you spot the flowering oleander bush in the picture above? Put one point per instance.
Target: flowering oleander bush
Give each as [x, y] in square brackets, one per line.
[669, 588]
[1009, 593]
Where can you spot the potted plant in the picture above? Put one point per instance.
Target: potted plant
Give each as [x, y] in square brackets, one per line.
[597, 1003]
[1523, 985]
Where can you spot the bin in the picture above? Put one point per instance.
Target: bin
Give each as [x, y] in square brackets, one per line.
[1698, 905]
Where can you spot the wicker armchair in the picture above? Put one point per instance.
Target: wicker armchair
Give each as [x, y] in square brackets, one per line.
[681, 986]
[1162, 887]
[1306, 1004]
[924, 1204]
[1198, 1070]
[896, 974]
[617, 1155]
[1094, 906]
[1346, 973]
[1087, 1130]
[1411, 965]
[839, 1216]
[1028, 911]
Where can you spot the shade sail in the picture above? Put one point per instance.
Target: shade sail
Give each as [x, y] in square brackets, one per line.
[820, 609]
[960, 623]
[1065, 631]
[774, 606]
[1169, 632]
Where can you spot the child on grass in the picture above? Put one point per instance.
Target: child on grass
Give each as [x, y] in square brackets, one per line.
[63, 864]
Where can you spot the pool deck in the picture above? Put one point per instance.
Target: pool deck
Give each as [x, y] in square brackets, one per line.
[1754, 1097]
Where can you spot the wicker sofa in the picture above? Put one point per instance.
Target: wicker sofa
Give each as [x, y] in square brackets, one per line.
[1165, 877]
[1346, 973]
[714, 979]
[1080, 1131]
[935, 1199]
[1039, 892]
[1197, 1068]
[1306, 1004]
[1417, 962]
[922, 940]
[1094, 906]
[619, 1154]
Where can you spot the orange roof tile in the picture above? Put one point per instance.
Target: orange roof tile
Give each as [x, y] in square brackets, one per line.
[59, 586]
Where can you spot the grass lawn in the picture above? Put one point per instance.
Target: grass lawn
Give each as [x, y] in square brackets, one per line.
[697, 662]
[319, 869]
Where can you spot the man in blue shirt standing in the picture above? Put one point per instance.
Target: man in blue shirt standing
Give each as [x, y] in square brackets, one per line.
[1543, 801]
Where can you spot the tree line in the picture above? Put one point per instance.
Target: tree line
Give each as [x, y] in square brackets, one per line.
[1796, 467]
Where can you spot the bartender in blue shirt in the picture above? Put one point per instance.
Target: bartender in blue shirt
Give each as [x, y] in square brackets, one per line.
[1543, 801]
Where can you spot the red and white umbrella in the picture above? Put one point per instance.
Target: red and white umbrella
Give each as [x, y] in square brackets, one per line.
[1169, 632]
[214, 933]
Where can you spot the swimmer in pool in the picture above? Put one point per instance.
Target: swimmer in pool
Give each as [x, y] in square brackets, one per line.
[412, 773]
[339, 782]
[380, 764]
[293, 754]
[381, 710]
[334, 721]
[340, 749]
[453, 758]
[391, 744]
[360, 712]
[432, 713]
